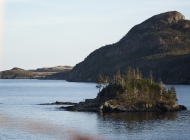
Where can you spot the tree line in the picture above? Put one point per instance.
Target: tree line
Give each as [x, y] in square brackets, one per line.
[131, 88]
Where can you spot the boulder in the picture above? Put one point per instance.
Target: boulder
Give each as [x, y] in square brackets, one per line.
[182, 107]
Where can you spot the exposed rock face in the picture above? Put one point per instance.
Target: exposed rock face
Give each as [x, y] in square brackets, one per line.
[159, 44]
[161, 20]
[94, 105]
[58, 103]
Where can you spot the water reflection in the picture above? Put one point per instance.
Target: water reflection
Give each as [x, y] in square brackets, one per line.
[139, 116]
[134, 123]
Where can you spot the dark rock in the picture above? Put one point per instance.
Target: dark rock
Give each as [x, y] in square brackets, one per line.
[166, 108]
[59, 103]
[182, 107]
[94, 105]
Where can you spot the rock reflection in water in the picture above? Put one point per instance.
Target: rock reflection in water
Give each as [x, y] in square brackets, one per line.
[132, 123]
[139, 116]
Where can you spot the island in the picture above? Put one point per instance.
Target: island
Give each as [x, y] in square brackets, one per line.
[130, 93]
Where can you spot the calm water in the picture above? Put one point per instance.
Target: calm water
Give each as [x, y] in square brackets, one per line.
[22, 119]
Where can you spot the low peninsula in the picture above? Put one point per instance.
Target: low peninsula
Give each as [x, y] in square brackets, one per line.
[39, 73]
[130, 93]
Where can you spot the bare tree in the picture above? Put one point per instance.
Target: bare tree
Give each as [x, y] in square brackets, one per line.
[162, 87]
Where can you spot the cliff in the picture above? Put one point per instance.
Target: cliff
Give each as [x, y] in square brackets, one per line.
[160, 44]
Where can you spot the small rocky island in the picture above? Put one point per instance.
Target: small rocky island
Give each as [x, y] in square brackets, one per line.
[130, 93]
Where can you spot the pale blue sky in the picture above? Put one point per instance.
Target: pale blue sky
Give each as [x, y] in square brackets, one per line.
[44, 33]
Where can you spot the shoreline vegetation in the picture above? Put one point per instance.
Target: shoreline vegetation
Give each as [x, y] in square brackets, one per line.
[130, 93]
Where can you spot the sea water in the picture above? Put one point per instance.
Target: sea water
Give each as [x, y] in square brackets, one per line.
[21, 118]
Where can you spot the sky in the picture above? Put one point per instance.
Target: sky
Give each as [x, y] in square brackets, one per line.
[46, 33]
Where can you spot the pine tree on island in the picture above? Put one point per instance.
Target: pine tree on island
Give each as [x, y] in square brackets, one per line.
[132, 88]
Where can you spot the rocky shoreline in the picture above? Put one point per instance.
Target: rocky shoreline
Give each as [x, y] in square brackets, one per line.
[59, 103]
[94, 105]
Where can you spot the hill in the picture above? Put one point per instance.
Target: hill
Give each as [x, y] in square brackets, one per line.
[40, 73]
[160, 44]
[53, 69]
[57, 76]
[16, 73]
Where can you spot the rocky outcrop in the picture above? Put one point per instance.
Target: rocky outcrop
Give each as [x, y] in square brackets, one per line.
[58, 103]
[94, 105]
[159, 44]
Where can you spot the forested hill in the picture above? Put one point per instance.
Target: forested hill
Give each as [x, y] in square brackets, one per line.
[160, 44]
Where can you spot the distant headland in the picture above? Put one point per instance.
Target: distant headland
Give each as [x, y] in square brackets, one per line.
[39, 73]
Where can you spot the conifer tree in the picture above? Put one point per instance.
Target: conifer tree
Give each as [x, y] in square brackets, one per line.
[151, 77]
[106, 82]
[137, 73]
[100, 83]
[132, 88]
[129, 74]
[162, 87]
[173, 92]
